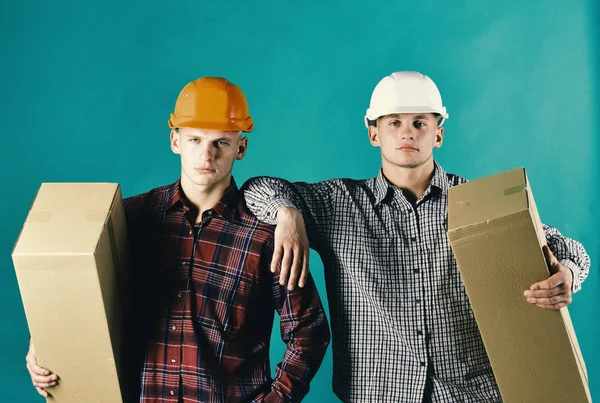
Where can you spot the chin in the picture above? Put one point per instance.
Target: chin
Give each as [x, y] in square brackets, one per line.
[406, 164]
[207, 181]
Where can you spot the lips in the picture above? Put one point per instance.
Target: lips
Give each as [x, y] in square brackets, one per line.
[408, 148]
[204, 170]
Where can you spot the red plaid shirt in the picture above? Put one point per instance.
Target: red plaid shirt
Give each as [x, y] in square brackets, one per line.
[204, 303]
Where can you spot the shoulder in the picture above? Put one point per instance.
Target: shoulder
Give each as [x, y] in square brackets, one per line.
[149, 201]
[455, 180]
[347, 185]
[252, 226]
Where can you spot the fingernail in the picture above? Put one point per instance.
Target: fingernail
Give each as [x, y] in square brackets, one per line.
[527, 293]
[46, 372]
[531, 300]
[53, 377]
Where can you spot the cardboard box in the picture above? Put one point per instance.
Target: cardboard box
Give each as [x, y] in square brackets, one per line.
[71, 263]
[497, 239]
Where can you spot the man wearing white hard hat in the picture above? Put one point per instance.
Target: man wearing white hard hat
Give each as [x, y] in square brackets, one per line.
[402, 326]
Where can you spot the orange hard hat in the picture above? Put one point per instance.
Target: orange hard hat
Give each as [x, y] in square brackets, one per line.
[212, 103]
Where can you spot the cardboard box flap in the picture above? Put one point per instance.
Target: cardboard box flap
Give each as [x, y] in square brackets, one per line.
[55, 228]
[487, 199]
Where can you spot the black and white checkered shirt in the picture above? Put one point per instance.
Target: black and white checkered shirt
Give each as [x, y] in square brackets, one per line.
[399, 312]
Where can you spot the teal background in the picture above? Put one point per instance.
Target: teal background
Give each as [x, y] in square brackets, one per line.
[88, 87]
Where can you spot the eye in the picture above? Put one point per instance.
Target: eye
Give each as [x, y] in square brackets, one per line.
[418, 124]
[222, 143]
[195, 140]
[395, 123]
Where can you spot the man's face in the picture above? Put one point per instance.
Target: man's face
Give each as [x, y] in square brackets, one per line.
[406, 140]
[207, 155]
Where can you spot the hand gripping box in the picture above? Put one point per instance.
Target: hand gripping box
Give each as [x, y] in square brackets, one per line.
[497, 238]
[71, 266]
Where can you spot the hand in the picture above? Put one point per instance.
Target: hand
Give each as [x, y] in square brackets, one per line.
[554, 292]
[291, 248]
[41, 377]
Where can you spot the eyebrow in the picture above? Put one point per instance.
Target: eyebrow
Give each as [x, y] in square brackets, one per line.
[203, 138]
[397, 115]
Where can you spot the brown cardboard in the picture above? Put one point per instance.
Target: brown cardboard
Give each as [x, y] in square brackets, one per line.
[497, 238]
[70, 260]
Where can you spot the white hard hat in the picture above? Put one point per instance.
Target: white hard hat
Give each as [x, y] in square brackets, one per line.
[405, 92]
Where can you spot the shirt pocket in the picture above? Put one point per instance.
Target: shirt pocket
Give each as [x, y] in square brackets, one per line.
[223, 300]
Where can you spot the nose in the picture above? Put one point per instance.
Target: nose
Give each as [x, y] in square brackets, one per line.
[406, 132]
[206, 152]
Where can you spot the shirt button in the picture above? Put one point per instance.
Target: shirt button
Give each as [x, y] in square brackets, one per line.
[190, 232]
[178, 295]
[422, 363]
[418, 301]
[174, 327]
[416, 271]
[172, 392]
[413, 239]
[173, 360]
[420, 333]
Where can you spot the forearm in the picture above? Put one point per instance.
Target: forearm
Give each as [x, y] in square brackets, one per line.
[265, 196]
[305, 331]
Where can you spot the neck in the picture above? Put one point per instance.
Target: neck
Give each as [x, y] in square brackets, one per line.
[412, 181]
[203, 198]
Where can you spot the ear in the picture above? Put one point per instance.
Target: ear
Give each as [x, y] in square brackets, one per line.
[242, 147]
[373, 136]
[439, 137]
[175, 141]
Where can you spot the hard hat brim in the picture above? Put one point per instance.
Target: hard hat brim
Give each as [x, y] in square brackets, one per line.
[376, 114]
[231, 125]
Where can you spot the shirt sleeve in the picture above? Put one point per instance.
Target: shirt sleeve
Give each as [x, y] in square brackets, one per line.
[569, 253]
[305, 331]
[315, 201]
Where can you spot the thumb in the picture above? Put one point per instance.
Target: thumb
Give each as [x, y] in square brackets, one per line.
[551, 260]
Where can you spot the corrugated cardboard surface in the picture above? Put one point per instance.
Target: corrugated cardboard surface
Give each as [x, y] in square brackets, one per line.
[70, 260]
[497, 239]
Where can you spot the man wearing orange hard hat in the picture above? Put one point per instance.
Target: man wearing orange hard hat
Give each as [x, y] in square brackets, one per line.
[203, 296]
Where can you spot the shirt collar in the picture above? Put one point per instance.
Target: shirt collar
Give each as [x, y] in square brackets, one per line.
[226, 206]
[383, 187]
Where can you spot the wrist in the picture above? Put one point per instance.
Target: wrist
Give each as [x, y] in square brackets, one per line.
[285, 213]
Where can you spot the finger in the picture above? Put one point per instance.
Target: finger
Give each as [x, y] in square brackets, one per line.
[36, 369]
[544, 293]
[285, 266]
[42, 392]
[44, 384]
[295, 270]
[305, 269]
[550, 301]
[552, 307]
[276, 260]
[551, 282]
[38, 379]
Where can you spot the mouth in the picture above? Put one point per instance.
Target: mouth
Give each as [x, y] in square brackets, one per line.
[407, 148]
[204, 170]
